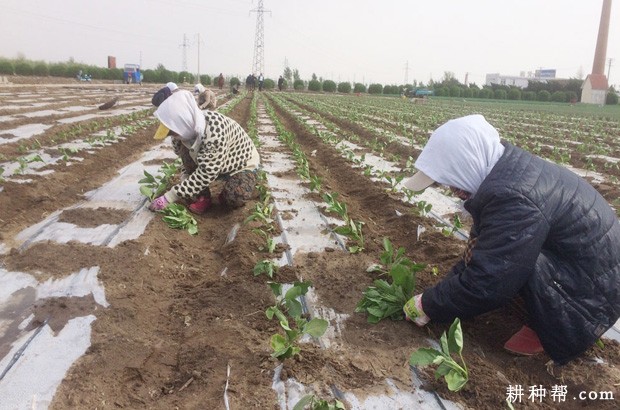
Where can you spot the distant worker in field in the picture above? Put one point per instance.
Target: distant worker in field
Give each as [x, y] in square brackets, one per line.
[163, 93]
[261, 81]
[220, 81]
[250, 82]
[219, 149]
[206, 98]
[280, 83]
[542, 239]
[235, 89]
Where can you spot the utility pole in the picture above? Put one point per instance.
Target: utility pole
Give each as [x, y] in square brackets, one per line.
[258, 63]
[406, 72]
[185, 45]
[198, 46]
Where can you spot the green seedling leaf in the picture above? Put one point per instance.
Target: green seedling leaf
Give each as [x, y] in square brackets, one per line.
[455, 337]
[443, 341]
[423, 356]
[381, 301]
[270, 312]
[276, 288]
[316, 327]
[147, 192]
[456, 376]
[267, 267]
[148, 178]
[305, 401]
[455, 380]
[443, 369]
[298, 289]
[281, 318]
[355, 249]
[279, 346]
[293, 307]
[178, 217]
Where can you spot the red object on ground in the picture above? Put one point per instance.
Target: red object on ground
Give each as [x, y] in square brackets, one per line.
[524, 342]
[201, 205]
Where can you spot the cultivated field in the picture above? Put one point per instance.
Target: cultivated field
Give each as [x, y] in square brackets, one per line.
[114, 309]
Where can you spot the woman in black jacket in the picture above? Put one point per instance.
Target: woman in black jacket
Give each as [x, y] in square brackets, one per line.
[539, 232]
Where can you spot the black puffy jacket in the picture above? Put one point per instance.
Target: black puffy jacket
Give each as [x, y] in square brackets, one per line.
[541, 232]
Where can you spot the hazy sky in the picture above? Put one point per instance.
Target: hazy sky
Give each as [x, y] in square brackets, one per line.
[343, 40]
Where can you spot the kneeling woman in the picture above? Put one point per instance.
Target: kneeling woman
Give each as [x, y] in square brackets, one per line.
[212, 146]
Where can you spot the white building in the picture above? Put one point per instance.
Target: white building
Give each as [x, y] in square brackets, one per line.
[520, 81]
[594, 89]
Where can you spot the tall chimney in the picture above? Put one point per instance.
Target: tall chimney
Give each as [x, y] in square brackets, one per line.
[601, 42]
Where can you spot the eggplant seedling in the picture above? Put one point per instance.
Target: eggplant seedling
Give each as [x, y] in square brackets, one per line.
[310, 401]
[393, 262]
[351, 228]
[455, 374]
[287, 304]
[155, 185]
[270, 243]
[393, 181]
[456, 225]
[178, 217]
[422, 208]
[266, 266]
[315, 183]
[385, 299]
[263, 213]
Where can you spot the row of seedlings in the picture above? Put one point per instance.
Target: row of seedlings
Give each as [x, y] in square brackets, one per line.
[387, 297]
[379, 169]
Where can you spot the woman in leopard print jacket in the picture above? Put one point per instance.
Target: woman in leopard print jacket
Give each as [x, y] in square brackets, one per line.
[218, 149]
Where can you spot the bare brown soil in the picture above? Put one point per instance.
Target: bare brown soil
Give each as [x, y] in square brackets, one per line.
[185, 309]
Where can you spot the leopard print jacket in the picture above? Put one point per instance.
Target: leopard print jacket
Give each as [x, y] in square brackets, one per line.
[226, 150]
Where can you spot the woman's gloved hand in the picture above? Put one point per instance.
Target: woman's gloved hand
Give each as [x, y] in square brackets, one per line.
[163, 201]
[414, 312]
[159, 203]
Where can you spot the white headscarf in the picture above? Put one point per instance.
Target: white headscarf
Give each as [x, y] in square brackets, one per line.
[171, 86]
[461, 153]
[199, 88]
[181, 114]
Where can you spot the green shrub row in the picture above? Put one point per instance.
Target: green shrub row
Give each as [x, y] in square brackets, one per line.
[512, 94]
[70, 69]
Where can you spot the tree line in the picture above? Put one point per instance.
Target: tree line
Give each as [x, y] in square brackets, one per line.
[554, 90]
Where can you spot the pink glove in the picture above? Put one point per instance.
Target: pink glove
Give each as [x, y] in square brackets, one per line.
[159, 203]
[413, 311]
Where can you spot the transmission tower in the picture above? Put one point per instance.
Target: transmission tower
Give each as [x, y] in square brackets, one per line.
[258, 63]
[185, 46]
[406, 72]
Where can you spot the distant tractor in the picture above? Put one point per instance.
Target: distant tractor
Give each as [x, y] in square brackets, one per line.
[132, 74]
[419, 93]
